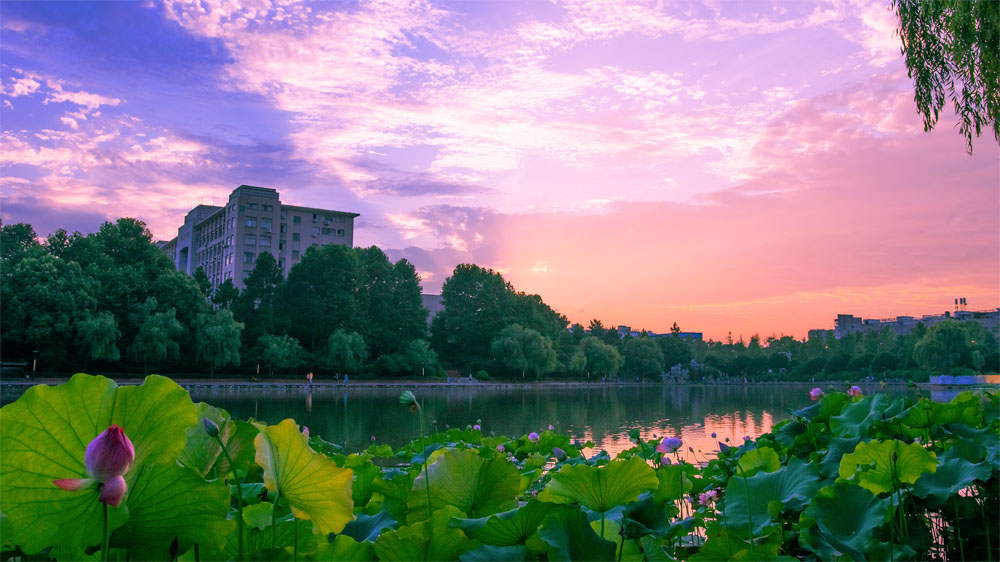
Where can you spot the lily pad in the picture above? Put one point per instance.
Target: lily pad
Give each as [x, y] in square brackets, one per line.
[749, 502]
[757, 460]
[202, 452]
[509, 528]
[314, 487]
[426, 540]
[952, 475]
[570, 537]
[830, 533]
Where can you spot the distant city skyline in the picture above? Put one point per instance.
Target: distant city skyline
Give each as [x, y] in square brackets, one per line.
[733, 167]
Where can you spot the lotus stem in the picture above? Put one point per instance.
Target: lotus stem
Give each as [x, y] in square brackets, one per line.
[274, 511]
[621, 545]
[423, 448]
[105, 538]
[295, 539]
[746, 491]
[239, 496]
[958, 526]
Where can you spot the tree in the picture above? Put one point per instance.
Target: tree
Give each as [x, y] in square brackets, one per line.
[201, 279]
[321, 286]
[16, 241]
[257, 305]
[952, 50]
[950, 344]
[577, 363]
[419, 356]
[218, 337]
[643, 357]
[98, 335]
[279, 352]
[346, 352]
[392, 312]
[602, 359]
[524, 349]
[156, 340]
[675, 351]
[42, 300]
[225, 294]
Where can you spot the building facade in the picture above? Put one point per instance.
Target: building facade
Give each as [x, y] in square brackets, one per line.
[849, 324]
[226, 241]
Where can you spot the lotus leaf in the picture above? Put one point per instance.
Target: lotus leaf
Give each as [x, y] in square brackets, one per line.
[202, 452]
[462, 478]
[369, 527]
[837, 448]
[43, 437]
[858, 417]
[760, 459]
[952, 475]
[168, 500]
[883, 463]
[509, 528]
[673, 483]
[314, 487]
[570, 537]
[345, 548]
[489, 553]
[747, 499]
[829, 532]
[600, 489]
[427, 540]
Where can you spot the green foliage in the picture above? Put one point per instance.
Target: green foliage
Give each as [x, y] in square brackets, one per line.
[524, 349]
[218, 339]
[603, 360]
[279, 352]
[835, 482]
[157, 337]
[643, 357]
[346, 352]
[952, 50]
[98, 334]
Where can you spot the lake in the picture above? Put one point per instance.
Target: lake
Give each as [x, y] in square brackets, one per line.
[600, 413]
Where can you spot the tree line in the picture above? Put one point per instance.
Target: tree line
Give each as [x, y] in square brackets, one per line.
[112, 301]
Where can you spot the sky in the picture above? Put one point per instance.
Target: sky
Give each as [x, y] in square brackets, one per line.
[734, 167]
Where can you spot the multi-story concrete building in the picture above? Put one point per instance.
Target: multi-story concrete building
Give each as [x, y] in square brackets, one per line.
[225, 241]
[849, 324]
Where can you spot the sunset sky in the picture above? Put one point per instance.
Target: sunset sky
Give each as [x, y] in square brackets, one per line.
[753, 167]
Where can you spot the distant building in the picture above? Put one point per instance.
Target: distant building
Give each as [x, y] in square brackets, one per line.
[846, 324]
[225, 241]
[687, 336]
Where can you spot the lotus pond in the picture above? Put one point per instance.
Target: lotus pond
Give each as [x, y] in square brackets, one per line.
[845, 477]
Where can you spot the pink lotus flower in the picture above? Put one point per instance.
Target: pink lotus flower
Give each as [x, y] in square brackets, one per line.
[533, 437]
[108, 457]
[550, 427]
[665, 460]
[476, 427]
[669, 445]
[558, 453]
[854, 391]
[815, 394]
[500, 448]
[708, 497]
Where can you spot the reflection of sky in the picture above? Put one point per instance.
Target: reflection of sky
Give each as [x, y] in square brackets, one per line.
[627, 160]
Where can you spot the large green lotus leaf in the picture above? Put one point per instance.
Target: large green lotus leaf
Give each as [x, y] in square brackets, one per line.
[858, 417]
[202, 452]
[757, 460]
[673, 482]
[787, 432]
[645, 517]
[827, 406]
[426, 540]
[365, 473]
[489, 553]
[880, 460]
[369, 527]
[462, 478]
[845, 518]
[724, 545]
[509, 528]
[394, 486]
[952, 475]
[838, 447]
[627, 550]
[570, 537]
[748, 501]
[343, 547]
[44, 435]
[314, 487]
[168, 501]
[964, 408]
[257, 543]
[600, 489]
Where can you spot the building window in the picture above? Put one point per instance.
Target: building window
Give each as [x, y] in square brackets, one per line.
[295, 236]
[246, 274]
[251, 221]
[281, 264]
[327, 231]
[297, 219]
[283, 228]
[241, 208]
[250, 240]
[295, 255]
[248, 257]
[265, 224]
[267, 208]
[253, 206]
[265, 241]
[315, 231]
[284, 215]
[340, 232]
[281, 245]
[315, 217]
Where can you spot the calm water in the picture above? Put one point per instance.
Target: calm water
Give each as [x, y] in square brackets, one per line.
[602, 414]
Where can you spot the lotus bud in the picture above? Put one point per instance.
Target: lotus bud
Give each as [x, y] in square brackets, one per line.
[550, 427]
[854, 391]
[815, 394]
[109, 455]
[665, 460]
[714, 435]
[533, 437]
[669, 445]
[500, 448]
[476, 427]
[211, 428]
[113, 491]
[407, 398]
[305, 431]
[558, 453]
